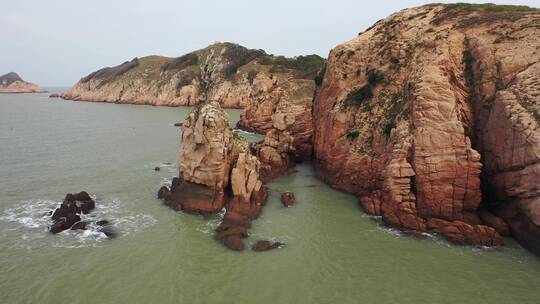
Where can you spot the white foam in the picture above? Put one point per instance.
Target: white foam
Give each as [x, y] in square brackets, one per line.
[208, 227]
[32, 219]
[244, 132]
[166, 181]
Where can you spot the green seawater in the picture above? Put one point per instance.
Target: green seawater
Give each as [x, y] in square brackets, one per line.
[334, 252]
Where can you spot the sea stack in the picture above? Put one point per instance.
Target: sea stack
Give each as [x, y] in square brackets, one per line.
[217, 171]
[13, 83]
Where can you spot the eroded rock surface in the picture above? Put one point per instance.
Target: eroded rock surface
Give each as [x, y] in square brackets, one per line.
[428, 107]
[288, 199]
[217, 170]
[288, 125]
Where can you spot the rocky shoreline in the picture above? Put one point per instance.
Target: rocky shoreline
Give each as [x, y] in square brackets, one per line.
[429, 122]
[437, 132]
[431, 117]
[225, 72]
[12, 83]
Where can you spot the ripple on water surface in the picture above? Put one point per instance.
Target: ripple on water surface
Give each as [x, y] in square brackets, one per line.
[31, 219]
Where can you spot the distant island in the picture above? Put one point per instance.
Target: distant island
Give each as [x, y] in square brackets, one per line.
[13, 83]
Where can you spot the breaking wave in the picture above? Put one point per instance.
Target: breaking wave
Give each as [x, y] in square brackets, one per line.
[32, 220]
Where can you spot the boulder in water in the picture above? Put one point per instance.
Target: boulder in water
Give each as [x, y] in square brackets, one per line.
[108, 231]
[288, 199]
[79, 226]
[234, 243]
[68, 213]
[67, 216]
[264, 245]
[64, 222]
[163, 192]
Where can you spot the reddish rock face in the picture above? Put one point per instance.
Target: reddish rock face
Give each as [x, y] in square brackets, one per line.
[496, 222]
[287, 106]
[463, 233]
[288, 199]
[217, 171]
[407, 108]
[289, 140]
[206, 150]
[285, 116]
[276, 154]
[194, 198]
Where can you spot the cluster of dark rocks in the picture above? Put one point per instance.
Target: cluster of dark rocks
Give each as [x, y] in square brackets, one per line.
[234, 228]
[67, 216]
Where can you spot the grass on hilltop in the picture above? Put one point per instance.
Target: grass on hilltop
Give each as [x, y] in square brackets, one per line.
[307, 66]
[490, 7]
[476, 14]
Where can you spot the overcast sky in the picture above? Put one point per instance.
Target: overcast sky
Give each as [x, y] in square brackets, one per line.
[56, 42]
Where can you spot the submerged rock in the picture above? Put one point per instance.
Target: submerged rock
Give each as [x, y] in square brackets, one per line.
[108, 231]
[462, 233]
[288, 199]
[264, 245]
[234, 242]
[103, 223]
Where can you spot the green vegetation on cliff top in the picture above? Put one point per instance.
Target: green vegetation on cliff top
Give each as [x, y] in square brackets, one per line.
[308, 66]
[475, 14]
[229, 57]
[490, 7]
[9, 78]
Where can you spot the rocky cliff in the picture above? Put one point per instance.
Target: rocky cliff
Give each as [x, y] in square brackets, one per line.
[13, 83]
[217, 171]
[285, 116]
[431, 117]
[225, 72]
